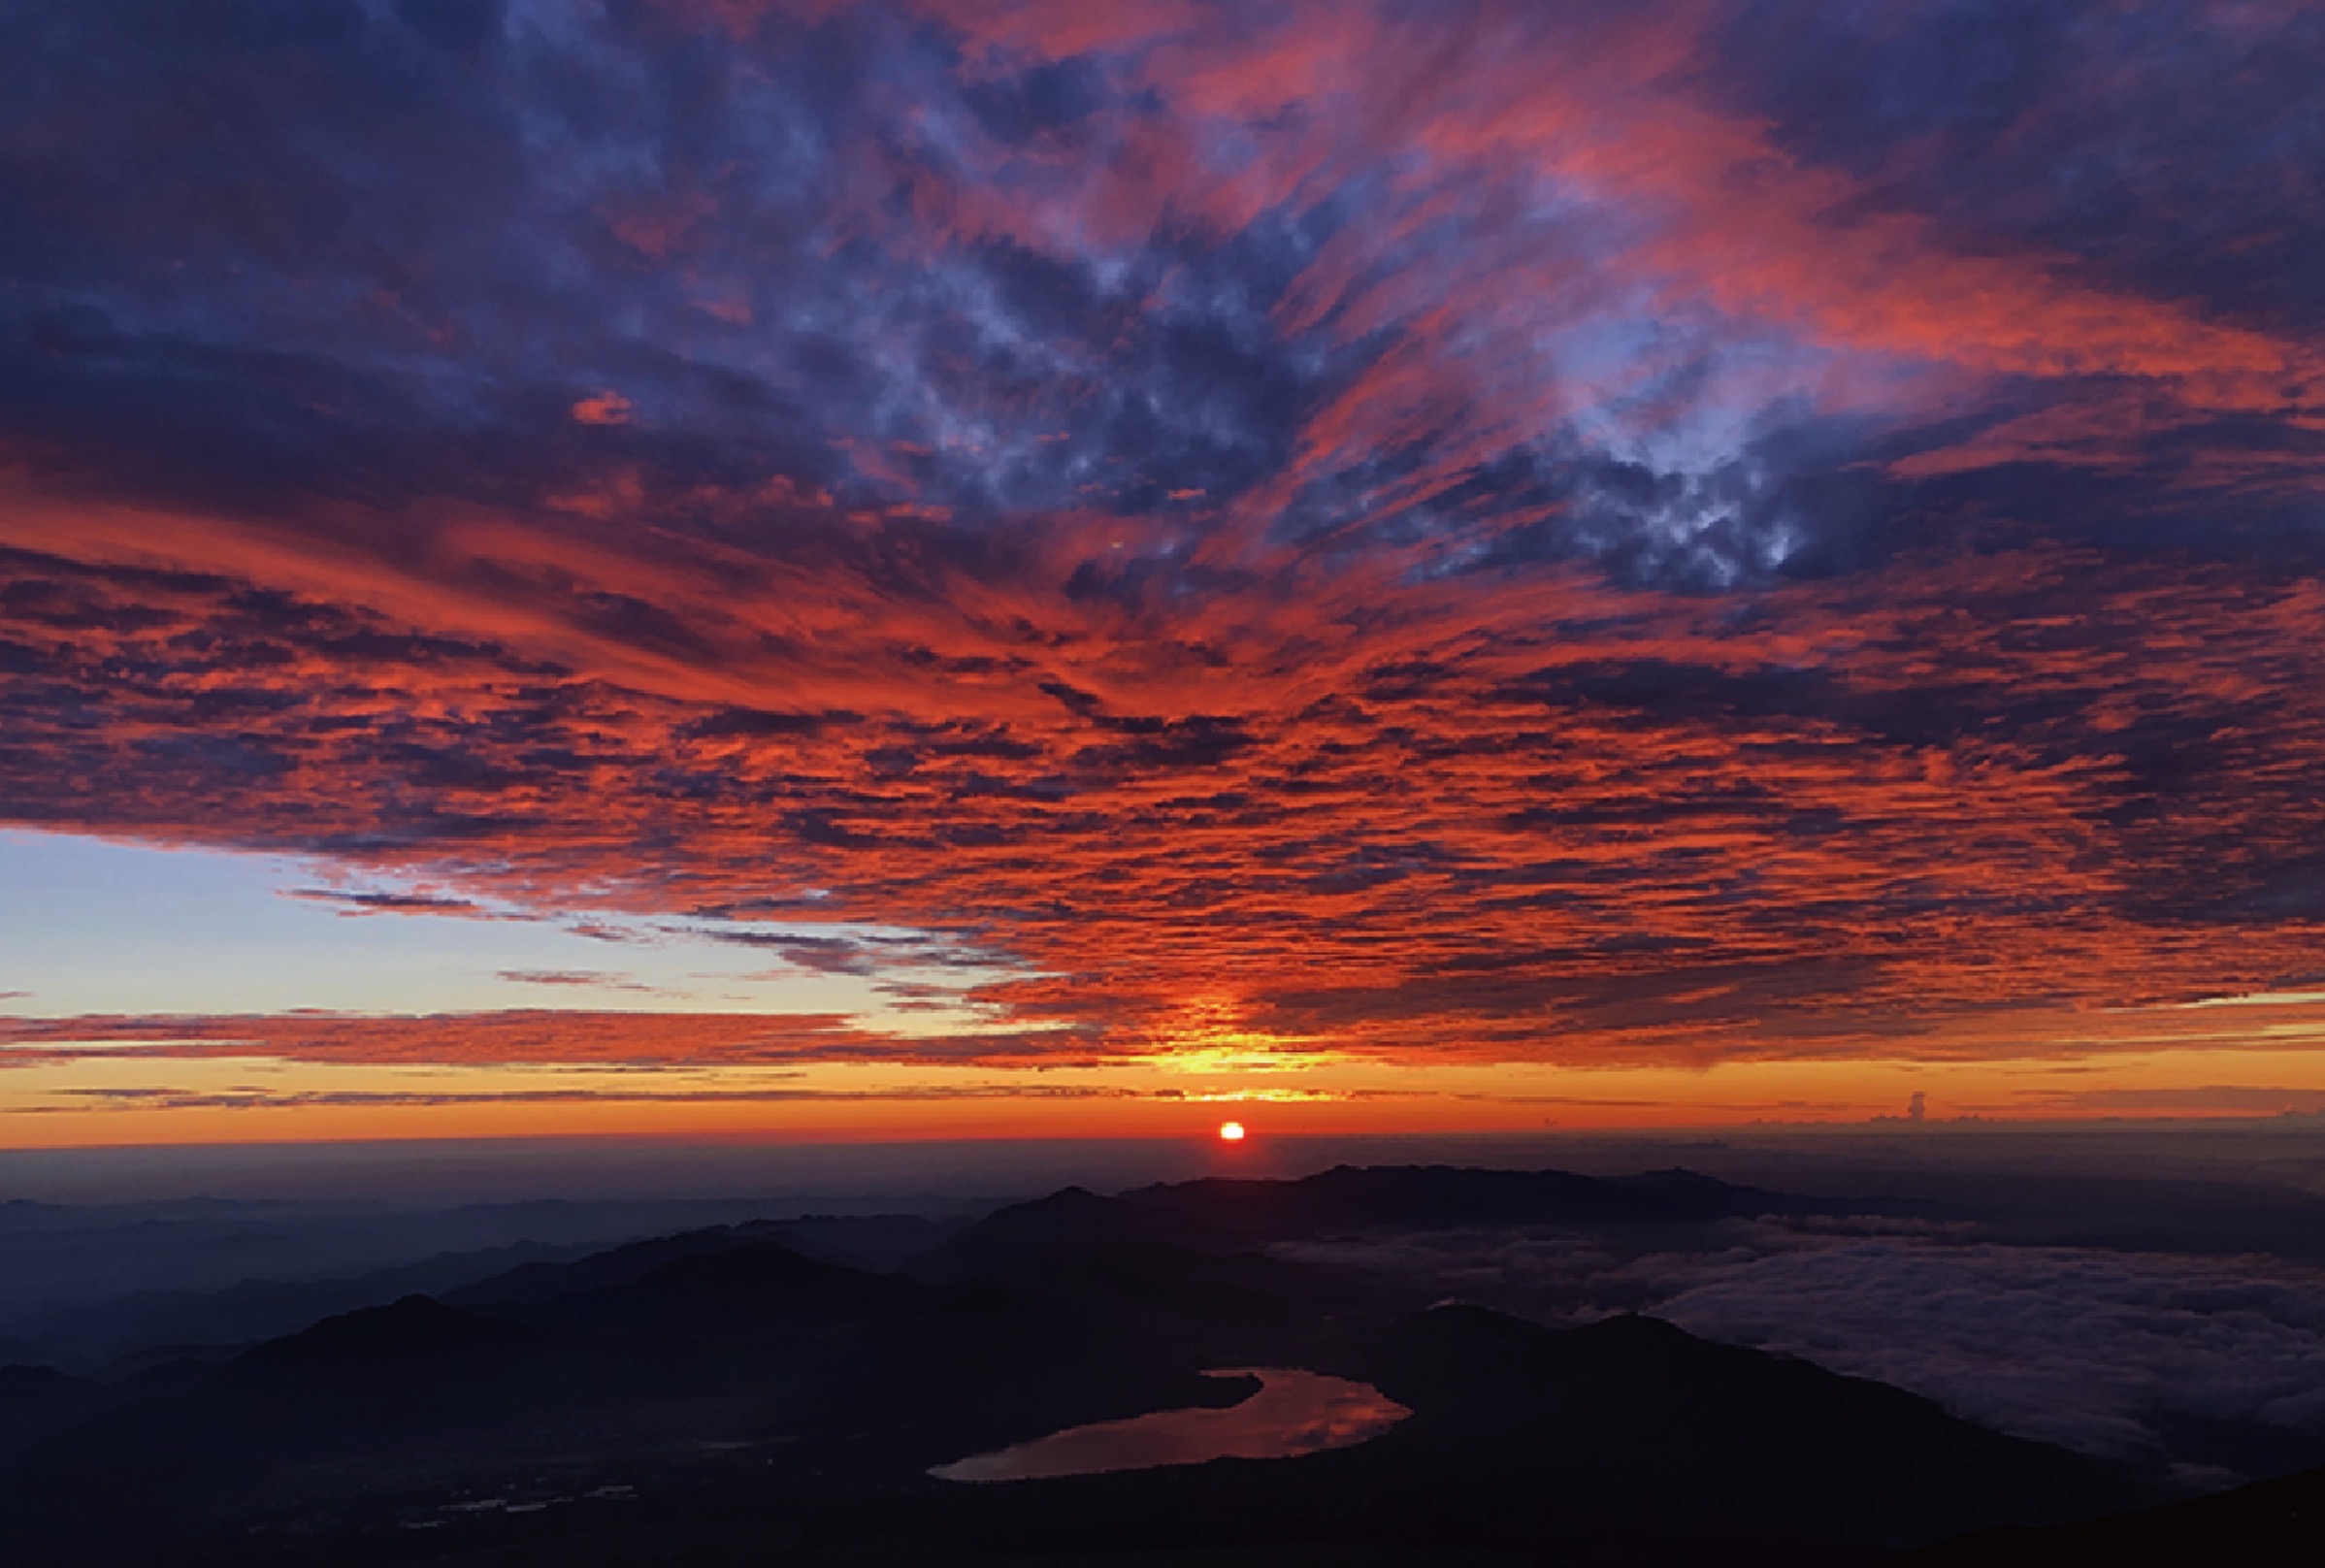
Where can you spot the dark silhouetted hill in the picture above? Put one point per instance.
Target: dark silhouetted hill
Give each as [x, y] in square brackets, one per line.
[1632, 1416]
[2275, 1524]
[105, 1334]
[532, 1282]
[1351, 1197]
[38, 1400]
[1072, 1217]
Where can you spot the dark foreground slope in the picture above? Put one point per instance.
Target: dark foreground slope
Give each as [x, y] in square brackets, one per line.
[2275, 1522]
[1628, 1442]
[721, 1398]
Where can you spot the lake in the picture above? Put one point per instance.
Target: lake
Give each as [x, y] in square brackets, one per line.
[1293, 1412]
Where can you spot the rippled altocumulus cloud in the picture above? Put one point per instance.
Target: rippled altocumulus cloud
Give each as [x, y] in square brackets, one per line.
[1562, 530]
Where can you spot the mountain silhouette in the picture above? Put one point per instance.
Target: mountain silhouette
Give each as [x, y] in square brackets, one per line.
[719, 1386]
[1069, 1218]
[1767, 1455]
[538, 1282]
[1349, 1197]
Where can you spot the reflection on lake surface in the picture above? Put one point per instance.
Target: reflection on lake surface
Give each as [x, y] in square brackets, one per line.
[1294, 1413]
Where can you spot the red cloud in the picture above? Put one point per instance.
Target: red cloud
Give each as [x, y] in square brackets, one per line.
[602, 409]
[1534, 815]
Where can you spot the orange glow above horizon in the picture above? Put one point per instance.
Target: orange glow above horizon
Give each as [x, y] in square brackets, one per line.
[74, 1082]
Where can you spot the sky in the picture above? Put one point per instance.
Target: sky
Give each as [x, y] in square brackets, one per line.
[1041, 568]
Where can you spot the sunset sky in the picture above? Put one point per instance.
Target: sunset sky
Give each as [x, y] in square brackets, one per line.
[1012, 567]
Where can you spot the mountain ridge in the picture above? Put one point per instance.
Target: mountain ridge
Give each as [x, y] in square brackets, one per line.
[722, 1372]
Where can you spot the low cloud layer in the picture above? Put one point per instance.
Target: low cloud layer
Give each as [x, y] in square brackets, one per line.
[2094, 1350]
[2214, 1363]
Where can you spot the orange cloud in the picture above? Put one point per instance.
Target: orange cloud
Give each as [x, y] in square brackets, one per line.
[602, 409]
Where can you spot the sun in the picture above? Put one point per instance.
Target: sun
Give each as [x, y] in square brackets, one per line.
[1232, 1131]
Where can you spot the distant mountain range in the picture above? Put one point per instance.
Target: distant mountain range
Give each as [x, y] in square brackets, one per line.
[721, 1394]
